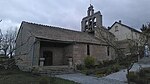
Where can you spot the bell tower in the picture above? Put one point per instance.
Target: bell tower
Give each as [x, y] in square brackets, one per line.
[92, 21]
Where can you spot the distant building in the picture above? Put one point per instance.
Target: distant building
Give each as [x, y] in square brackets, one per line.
[40, 45]
[125, 36]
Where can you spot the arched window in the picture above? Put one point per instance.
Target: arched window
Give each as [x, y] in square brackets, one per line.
[90, 24]
[94, 19]
[94, 22]
[86, 22]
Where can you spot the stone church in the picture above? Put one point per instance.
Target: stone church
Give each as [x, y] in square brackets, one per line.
[48, 46]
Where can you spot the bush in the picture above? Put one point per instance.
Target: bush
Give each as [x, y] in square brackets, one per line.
[100, 64]
[116, 67]
[146, 70]
[89, 62]
[109, 70]
[87, 71]
[142, 73]
[139, 77]
[108, 62]
[132, 76]
[100, 73]
[80, 67]
[141, 81]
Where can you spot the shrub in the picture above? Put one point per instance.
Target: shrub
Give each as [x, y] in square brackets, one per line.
[132, 76]
[108, 62]
[141, 81]
[116, 67]
[100, 64]
[101, 71]
[146, 70]
[142, 73]
[89, 62]
[99, 75]
[80, 67]
[109, 70]
[87, 71]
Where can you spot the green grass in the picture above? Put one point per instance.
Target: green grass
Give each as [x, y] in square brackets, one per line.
[19, 77]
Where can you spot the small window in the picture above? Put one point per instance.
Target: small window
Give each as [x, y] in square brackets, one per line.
[116, 28]
[94, 22]
[88, 50]
[108, 51]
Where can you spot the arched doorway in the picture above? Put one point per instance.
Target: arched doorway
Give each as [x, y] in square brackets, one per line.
[48, 55]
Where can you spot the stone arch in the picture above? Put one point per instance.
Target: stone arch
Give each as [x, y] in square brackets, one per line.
[94, 22]
[86, 22]
[90, 24]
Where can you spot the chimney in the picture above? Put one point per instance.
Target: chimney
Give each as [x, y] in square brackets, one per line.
[119, 21]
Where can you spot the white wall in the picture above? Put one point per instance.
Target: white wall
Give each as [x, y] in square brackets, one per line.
[123, 33]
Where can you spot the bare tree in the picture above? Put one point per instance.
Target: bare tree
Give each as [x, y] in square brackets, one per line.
[7, 42]
[109, 39]
[146, 31]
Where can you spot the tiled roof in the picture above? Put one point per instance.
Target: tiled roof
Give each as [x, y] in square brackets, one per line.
[132, 29]
[57, 33]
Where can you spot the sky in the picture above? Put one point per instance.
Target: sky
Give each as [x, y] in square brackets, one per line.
[69, 13]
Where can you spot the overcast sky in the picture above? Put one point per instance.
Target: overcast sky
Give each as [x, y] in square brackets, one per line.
[68, 13]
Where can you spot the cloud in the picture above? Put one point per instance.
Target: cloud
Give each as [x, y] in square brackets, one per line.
[69, 13]
[132, 12]
[8, 24]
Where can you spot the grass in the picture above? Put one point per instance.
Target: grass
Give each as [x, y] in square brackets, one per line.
[141, 77]
[19, 77]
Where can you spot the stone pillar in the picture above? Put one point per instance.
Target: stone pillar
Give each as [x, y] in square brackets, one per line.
[70, 62]
[42, 61]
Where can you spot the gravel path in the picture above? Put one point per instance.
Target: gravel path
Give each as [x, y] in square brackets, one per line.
[115, 78]
[83, 79]
[121, 75]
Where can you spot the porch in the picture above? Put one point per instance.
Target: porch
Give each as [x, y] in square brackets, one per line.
[55, 53]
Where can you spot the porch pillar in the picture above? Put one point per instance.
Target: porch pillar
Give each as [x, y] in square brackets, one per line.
[70, 62]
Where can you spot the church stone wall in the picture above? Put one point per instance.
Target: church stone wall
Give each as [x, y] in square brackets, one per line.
[24, 49]
[68, 53]
[97, 51]
[79, 53]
